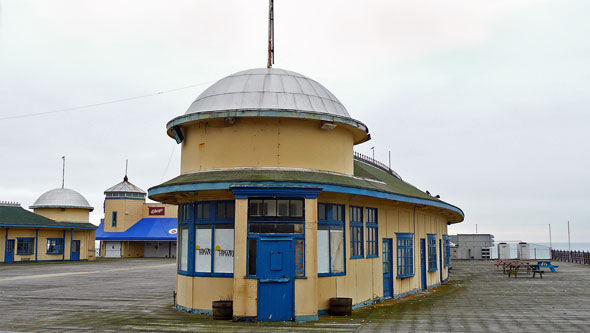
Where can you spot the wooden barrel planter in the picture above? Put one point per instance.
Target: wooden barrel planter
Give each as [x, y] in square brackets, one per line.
[223, 310]
[340, 306]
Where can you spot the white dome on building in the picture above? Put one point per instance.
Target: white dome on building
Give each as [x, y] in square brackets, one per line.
[268, 89]
[61, 198]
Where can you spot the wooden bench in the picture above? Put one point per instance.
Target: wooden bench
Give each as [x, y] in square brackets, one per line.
[513, 270]
[540, 272]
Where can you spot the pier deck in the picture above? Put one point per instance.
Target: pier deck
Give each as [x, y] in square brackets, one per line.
[136, 295]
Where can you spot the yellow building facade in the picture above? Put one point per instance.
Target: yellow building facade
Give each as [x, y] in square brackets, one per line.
[133, 228]
[279, 215]
[58, 229]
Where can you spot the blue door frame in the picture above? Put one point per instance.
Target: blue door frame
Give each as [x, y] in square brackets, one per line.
[75, 255]
[387, 268]
[440, 260]
[9, 251]
[423, 261]
[275, 261]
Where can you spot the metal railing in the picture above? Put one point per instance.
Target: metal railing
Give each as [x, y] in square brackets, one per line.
[576, 257]
[371, 161]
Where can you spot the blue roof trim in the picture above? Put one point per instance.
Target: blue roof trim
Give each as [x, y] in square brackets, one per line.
[146, 229]
[247, 191]
[326, 188]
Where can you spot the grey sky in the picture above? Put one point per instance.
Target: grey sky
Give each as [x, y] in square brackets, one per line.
[483, 102]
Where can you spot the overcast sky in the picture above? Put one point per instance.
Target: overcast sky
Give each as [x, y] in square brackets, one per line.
[483, 102]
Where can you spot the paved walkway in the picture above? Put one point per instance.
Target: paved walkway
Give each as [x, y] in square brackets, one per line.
[136, 295]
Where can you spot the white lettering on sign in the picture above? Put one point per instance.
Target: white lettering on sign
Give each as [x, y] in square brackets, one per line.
[156, 211]
[172, 231]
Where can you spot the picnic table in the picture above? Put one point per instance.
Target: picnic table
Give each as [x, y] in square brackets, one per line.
[536, 269]
[547, 264]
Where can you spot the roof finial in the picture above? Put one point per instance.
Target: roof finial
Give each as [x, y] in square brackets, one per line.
[63, 171]
[126, 165]
[271, 34]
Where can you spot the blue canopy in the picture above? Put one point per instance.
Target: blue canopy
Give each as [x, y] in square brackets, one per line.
[147, 229]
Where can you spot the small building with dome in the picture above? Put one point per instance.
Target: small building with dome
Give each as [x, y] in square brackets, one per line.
[278, 214]
[58, 229]
[133, 228]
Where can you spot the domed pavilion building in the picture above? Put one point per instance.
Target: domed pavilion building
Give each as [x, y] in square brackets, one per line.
[58, 229]
[279, 215]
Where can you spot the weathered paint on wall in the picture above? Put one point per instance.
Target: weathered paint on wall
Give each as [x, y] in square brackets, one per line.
[306, 298]
[245, 290]
[64, 214]
[268, 142]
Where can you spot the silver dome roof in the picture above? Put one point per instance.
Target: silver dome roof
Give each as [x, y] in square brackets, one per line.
[124, 187]
[268, 89]
[61, 198]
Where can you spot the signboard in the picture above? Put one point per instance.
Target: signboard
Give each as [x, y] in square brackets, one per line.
[156, 211]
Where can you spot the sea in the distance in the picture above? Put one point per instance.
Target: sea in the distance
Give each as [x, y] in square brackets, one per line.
[584, 246]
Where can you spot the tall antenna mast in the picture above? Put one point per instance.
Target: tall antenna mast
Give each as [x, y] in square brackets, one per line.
[271, 34]
[126, 165]
[63, 171]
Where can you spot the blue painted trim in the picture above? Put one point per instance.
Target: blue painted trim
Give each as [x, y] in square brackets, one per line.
[23, 238]
[71, 241]
[36, 243]
[326, 188]
[247, 191]
[355, 306]
[222, 275]
[6, 246]
[45, 226]
[300, 319]
[330, 274]
[63, 252]
[434, 285]
[194, 311]
[33, 261]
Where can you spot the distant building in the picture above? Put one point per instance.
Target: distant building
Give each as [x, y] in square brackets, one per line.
[57, 230]
[133, 228]
[471, 246]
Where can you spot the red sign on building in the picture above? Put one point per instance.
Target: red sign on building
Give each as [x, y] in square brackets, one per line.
[156, 211]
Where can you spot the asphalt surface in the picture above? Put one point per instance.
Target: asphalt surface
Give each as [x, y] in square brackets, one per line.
[136, 295]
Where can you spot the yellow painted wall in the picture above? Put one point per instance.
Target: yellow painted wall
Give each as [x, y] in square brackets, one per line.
[245, 290]
[266, 142]
[21, 233]
[306, 290]
[364, 278]
[132, 249]
[129, 211]
[65, 214]
[170, 211]
[209, 289]
[2, 243]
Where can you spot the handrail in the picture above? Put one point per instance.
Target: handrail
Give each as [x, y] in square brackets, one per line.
[371, 161]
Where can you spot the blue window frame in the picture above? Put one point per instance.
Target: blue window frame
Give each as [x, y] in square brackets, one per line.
[431, 252]
[372, 233]
[405, 255]
[25, 246]
[331, 240]
[206, 238]
[279, 216]
[214, 238]
[55, 245]
[447, 242]
[356, 232]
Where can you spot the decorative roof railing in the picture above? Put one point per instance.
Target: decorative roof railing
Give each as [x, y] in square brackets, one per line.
[371, 161]
[10, 203]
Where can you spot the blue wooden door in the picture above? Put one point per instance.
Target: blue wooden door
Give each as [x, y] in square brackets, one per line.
[276, 270]
[423, 261]
[387, 268]
[75, 250]
[9, 253]
[440, 260]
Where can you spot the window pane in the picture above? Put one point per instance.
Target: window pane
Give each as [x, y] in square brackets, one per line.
[230, 210]
[337, 249]
[224, 249]
[297, 208]
[270, 207]
[255, 207]
[251, 256]
[221, 210]
[283, 207]
[321, 212]
[323, 249]
[276, 228]
[183, 249]
[203, 249]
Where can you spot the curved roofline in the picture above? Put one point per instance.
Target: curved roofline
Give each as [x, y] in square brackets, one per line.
[326, 187]
[356, 125]
[61, 206]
